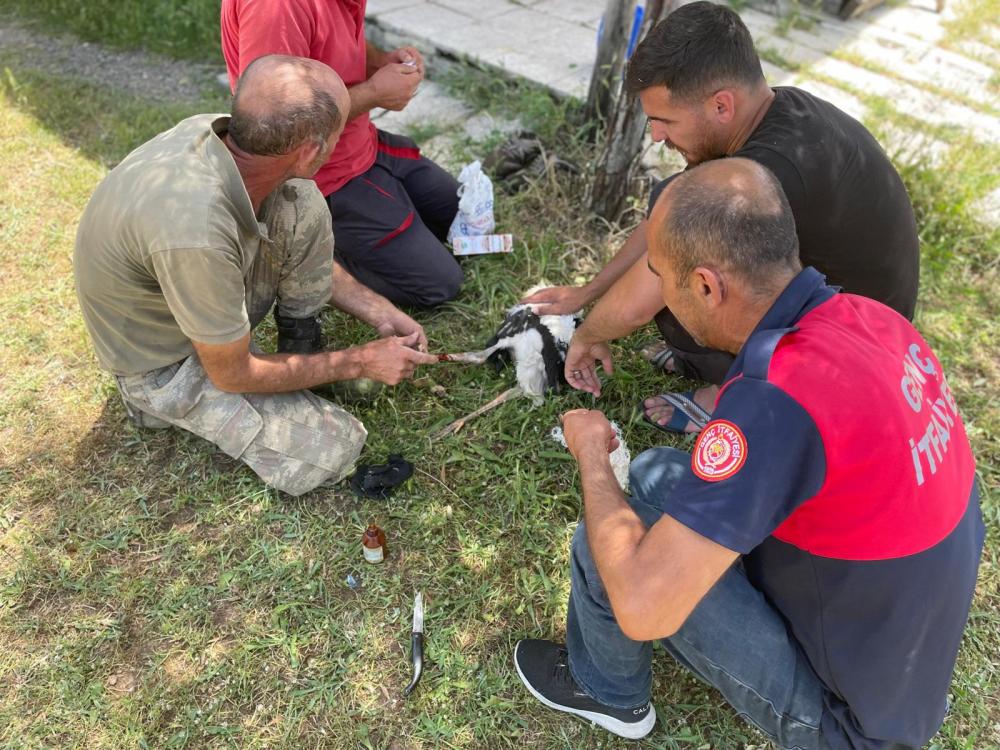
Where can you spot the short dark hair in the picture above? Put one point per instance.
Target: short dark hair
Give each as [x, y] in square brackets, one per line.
[745, 226]
[697, 49]
[276, 129]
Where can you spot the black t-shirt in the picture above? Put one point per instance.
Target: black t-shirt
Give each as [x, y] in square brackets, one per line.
[852, 214]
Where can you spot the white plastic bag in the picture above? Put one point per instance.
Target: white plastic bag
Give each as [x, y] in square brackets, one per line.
[475, 204]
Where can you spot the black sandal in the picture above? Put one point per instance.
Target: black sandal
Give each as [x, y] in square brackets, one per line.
[379, 480]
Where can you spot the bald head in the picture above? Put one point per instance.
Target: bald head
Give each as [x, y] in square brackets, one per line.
[282, 102]
[728, 215]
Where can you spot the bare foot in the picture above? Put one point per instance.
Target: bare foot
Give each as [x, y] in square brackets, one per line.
[660, 412]
[660, 356]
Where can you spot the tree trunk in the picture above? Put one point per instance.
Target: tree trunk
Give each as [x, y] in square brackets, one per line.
[605, 82]
[624, 118]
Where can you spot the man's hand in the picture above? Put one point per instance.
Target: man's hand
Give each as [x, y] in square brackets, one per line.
[581, 364]
[392, 360]
[398, 323]
[409, 56]
[588, 429]
[393, 85]
[558, 300]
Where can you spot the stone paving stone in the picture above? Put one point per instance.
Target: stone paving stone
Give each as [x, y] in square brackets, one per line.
[776, 76]
[553, 42]
[378, 7]
[911, 59]
[527, 44]
[988, 208]
[434, 106]
[909, 147]
[577, 83]
[837, 97]
[927, 65]
[978, 51]
[912, 101]
[431, 105]
[795, 45]
[425, 21]
[586, 12]
[477, 9]
[921, 22]
[526, 25]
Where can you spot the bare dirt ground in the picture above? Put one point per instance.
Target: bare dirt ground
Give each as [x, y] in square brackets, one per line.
[134, 73]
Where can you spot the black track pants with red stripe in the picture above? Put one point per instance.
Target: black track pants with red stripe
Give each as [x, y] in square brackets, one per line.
[390, 222]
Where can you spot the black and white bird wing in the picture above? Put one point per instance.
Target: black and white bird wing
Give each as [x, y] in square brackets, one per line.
[515, 323]
[537, 345]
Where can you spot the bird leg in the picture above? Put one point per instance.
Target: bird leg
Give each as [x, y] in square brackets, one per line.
[459, 423]
[470, 358]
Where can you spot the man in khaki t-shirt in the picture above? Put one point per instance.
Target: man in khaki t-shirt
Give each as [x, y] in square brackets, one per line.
[188, 243]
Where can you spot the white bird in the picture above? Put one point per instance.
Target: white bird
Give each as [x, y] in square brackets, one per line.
[536, 344]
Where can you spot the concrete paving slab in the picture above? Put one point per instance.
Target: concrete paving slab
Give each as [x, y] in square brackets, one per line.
[378, 7]
[585, 12]
[789, 49]
[527, 25]
[926, 65]
[837, 97]
[989, 208]
[483, 125]
[776, 76]
[576, 83]
[906, 146]
[978, 51]
[917, 21]
[553, 43]
[912, 101]
[478, 10]
[431, 106]
[823, 36]
[425, 22]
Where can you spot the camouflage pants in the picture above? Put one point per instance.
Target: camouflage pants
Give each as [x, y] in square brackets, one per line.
[293, 441]
[294, 269]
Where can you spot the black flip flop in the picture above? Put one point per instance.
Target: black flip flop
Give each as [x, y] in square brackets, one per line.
[379, 480]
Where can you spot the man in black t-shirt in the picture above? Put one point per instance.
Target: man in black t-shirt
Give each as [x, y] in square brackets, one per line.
[701, 85]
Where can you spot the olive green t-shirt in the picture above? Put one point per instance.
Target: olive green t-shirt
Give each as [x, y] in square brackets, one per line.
[163, 249]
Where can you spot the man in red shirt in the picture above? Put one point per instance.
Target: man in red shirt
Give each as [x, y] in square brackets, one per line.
[391, 207]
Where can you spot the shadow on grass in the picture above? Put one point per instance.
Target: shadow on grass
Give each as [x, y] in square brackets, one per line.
[103, 125]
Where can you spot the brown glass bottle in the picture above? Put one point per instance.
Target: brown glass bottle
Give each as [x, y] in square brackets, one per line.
[373, 543]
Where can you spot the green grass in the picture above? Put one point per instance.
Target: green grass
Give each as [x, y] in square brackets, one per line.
[179, 28]
[154, 594]
[553, 119]
[974, 20]
[771, 55]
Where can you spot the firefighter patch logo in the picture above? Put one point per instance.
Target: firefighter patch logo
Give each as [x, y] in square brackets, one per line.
[720, 452]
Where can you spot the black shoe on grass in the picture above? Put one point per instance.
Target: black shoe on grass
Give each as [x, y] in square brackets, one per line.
[299, 335]
[543, 667]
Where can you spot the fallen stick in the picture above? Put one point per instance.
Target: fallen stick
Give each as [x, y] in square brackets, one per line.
[459, 423]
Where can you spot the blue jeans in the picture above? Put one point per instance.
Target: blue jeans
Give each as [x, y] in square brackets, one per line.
[733, 640]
